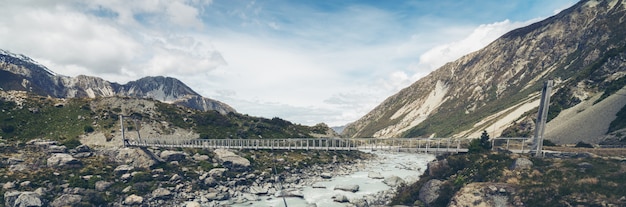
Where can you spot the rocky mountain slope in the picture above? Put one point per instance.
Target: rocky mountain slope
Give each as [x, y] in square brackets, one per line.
[19, 72]
[583, 49]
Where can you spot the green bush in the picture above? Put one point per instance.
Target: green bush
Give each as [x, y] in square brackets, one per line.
[548, 143]
[71, 143]
[88, 129]
[582, 144]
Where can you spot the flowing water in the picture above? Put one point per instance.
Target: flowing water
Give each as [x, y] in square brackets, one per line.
[408, 166]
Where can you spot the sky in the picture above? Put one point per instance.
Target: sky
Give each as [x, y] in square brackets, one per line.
[307, 62]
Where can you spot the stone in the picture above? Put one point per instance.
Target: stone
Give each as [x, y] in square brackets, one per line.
[22, 199]
[375, 175]
[192, 204]
[161, 193]
[14, 161]
[133, 200]
[438, 167]
[135, 157]
[340, 199]
[63, 160]
[349, 188]
[57, 149]
[318, 185]
[217, 172]
[25, 184]
[103, 185]
[482, 194]
[170, 156]
[256, 190]
[123, 169]
[289, 193]
[521, 164]
[8, 185]
[199, 157]
[66, 200]
[82, 148]
[394, 181]
[210, 182]
[326, 175]
[231, 161]
[430, 191]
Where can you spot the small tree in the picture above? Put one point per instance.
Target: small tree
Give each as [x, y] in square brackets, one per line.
[480, 145]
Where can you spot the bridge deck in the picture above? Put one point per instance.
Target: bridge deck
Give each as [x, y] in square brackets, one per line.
[402, 144]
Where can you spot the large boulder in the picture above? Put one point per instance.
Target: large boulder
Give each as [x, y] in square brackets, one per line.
[63, 160]
[484, 194]
[430, 191]
[232, 161]
[394, 181]
[438, 167]
[349, 188]
[375, 175]
[169, 156]
[22, 199]
[123, 169]
[521, 164]
[66, 200]
[133, 200]
[135, 157]
[340, 199]
[161, 193]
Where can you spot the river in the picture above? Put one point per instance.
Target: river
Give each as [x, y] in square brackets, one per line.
[408, 166]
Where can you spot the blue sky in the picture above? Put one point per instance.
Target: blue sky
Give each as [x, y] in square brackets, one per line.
[304, 61]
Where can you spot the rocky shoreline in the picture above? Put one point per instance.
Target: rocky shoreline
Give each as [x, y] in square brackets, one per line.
[164, 177]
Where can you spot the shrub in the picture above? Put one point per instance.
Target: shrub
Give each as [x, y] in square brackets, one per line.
[480, 145]
[582, 144]
[88, 129]
[8, 128]
[548, 143]
[72, 143]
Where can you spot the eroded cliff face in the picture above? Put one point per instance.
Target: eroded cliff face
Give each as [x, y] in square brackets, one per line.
[582, 49]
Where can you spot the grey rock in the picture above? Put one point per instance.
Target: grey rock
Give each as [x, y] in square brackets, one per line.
[210, 182]
[430, 191]
[123, 169]
[22, 199]
[192, 204]
[82, 148]
[256, 190]
[103, 185]
[349, 188]
[394, 181]
[289, 193]
[63, 160]
[199, 157]
[57, 149]
[521, 164]
[375, 175]
[170, 156]
[135, 157]
[66, 200]
[14, 161]
[326, 175]
[232, 161]
[8, 185]
[340, 199]
[161, 193]
[133, 200]
[217, 172]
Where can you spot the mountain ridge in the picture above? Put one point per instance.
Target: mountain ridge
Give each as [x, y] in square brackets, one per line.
[24, 74]
[581, 48]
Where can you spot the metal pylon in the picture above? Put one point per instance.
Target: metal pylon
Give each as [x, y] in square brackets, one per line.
[542, 117]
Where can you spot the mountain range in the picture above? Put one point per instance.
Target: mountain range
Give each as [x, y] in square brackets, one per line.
[497, 89]
[19, 72]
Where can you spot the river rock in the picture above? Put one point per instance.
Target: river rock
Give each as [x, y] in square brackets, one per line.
[340, 199]
[430, 191]
[289, 193]
[375, 175]
[170, 156]
[82, 148]
[349, 188]
[326, 175]
[63, 160]
[438, 167]
[199, 157]
[521, 163]
[192, 204]
[133, 200]
[66, 200]
[257, 190]
[394, 181]
[57, 149]
[232, 161]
